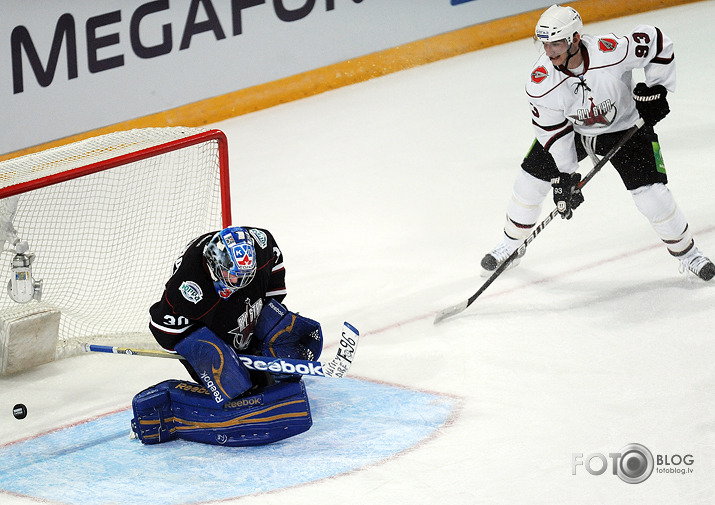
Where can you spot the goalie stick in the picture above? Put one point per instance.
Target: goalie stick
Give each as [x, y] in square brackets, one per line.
[456, 309]
[336, 368]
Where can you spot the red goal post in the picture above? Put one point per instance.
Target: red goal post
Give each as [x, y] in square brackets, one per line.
[104, 219]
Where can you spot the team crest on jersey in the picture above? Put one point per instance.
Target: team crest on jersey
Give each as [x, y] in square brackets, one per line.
[260, 237]
[539, 74]
[607, 45]
[191, 291]
[246, 322]
[597, 115]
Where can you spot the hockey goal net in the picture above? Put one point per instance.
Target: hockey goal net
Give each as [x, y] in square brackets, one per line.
[105, 218]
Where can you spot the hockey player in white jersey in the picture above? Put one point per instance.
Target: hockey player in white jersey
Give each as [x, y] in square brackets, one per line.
[582, 101]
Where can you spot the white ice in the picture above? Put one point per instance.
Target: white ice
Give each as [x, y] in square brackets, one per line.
[384, 196]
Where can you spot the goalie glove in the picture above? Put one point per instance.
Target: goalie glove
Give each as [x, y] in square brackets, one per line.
[567, 194]
[285, 334]
[651, 102]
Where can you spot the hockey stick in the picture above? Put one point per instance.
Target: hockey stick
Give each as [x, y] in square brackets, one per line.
[336, 368]
[456, 309]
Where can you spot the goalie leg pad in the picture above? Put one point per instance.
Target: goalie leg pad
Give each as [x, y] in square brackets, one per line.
[216, 364]
[153, 420]
[185, 410]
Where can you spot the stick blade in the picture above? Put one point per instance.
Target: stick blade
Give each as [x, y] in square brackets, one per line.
[338, 367]
[450, 311]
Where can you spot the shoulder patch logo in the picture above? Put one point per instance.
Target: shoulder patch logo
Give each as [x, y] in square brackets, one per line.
[260, 237]
[607, 45]
[539, 74]
[191, 291]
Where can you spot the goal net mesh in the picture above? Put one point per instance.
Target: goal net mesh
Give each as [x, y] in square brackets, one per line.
[105, 242]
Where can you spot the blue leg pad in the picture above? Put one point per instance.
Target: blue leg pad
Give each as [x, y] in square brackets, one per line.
[153, 420]
[216, 364]
[259, 417]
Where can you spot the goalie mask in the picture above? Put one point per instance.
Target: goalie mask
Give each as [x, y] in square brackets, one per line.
[231, 259]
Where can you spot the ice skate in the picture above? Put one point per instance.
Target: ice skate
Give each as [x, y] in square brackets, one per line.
[493, 259]
[699, 264]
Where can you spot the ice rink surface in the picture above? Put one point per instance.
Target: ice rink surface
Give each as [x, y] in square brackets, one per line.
[383, 197]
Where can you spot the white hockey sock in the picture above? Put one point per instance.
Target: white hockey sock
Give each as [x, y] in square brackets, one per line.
[658, 205]
[524, 207]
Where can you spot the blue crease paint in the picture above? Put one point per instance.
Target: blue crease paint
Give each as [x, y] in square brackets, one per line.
[355, 423]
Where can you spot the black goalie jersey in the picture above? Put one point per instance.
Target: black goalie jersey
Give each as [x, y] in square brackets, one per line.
[190, 299]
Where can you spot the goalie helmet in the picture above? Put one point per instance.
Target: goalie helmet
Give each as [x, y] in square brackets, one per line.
[231, 258]
[558, 23]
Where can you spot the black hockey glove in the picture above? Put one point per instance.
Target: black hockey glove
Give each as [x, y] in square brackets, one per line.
[567, 194]
[651, 102]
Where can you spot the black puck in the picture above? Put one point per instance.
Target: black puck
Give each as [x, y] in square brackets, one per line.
[19, 411]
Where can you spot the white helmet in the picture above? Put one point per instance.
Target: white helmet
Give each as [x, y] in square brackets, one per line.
[558, 23]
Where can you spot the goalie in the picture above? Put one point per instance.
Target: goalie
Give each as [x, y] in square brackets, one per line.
[223, 298]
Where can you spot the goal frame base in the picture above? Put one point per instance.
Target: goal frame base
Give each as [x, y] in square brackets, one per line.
[27, 341]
